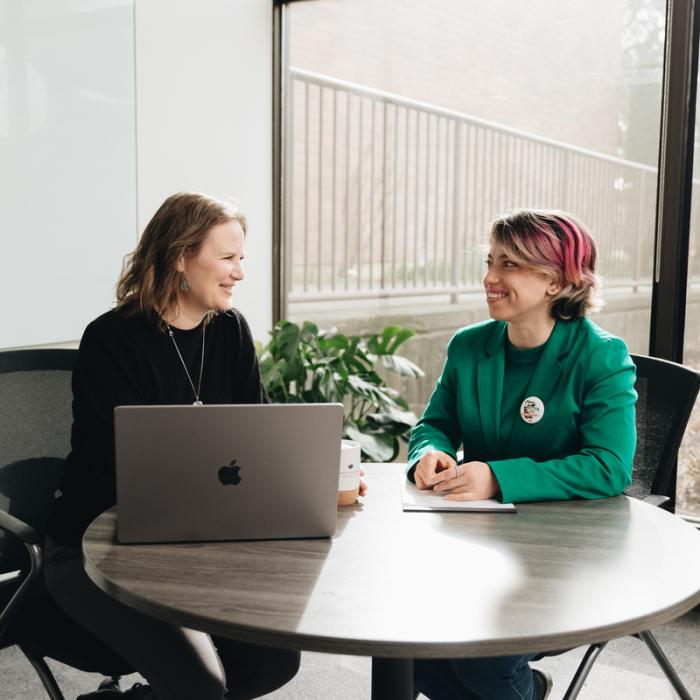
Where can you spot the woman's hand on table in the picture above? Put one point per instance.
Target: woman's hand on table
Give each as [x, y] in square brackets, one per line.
[430, 464]
[472, 481]
[363, 483]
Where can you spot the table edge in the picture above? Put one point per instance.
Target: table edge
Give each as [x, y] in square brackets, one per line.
[386, 648]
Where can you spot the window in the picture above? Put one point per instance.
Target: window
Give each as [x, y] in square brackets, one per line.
[688, 491]
[410, 126]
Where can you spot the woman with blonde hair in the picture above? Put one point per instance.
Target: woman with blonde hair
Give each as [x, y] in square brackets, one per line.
[173, 338]
[540, 399]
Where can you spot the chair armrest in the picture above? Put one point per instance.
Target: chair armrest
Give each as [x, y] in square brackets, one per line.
[19, 529]
[654, 499]
[9, 576]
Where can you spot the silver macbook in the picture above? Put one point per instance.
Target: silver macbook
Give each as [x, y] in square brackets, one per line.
[198, 473]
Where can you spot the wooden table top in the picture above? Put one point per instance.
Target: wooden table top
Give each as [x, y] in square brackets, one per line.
[553, 576]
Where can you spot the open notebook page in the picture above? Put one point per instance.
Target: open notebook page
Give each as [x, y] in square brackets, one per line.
[414, 499]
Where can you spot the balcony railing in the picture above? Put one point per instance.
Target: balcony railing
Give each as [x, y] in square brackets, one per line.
[387, 196]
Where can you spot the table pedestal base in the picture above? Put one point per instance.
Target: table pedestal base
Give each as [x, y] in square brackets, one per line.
[392, 679]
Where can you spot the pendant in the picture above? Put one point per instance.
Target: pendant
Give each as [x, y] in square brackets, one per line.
[198, 403]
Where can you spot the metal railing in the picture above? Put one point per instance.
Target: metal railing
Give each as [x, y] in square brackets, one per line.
[387, 196]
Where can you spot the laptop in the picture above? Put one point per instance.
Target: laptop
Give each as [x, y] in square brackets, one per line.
[224, 472]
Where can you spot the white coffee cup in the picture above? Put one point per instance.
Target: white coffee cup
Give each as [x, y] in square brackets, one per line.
[349, 477]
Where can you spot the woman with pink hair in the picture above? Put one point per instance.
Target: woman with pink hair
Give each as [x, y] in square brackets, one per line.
[540, 399]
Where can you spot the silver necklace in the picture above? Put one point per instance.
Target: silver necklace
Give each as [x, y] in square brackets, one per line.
[196, 391]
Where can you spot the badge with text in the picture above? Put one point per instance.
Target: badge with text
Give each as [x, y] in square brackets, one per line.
[532, 409]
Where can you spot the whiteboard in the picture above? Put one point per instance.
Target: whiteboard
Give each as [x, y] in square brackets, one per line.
[67, 163]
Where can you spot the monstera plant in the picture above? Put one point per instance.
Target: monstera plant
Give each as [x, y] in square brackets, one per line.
[301, 364]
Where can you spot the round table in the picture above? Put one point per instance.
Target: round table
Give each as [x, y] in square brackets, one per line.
[398, 585]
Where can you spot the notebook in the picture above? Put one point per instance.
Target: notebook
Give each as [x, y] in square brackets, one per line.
[202, 473]
[415, 499]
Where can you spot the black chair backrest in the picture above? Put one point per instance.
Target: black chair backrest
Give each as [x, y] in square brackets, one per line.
[667, 393]
[35, 411]
[35, 425]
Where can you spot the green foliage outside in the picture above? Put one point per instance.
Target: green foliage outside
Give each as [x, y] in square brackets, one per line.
[301, 364]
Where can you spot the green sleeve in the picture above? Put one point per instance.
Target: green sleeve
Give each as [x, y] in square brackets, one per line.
[603, 465]
[438, 428]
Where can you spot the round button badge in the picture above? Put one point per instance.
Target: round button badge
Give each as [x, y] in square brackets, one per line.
[532, 409]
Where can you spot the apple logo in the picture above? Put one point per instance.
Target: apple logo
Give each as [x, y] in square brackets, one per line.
[229, 475]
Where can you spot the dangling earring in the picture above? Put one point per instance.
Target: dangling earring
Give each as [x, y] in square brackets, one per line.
[184, 285]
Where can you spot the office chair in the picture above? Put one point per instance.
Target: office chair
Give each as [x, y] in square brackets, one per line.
[667, 393]
[35, 423]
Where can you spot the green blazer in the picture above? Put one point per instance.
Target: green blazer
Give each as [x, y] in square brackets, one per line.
[583, 446]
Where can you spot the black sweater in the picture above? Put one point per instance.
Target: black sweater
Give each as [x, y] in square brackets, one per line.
[128, 360]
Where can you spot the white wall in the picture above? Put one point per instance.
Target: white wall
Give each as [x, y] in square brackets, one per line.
[67, 163]
[82, 169]
[204, 120]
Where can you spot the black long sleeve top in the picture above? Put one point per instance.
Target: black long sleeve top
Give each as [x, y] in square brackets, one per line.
[129, 360]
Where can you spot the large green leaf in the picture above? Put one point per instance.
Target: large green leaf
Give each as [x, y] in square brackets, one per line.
[328, 385]
[358, 350]
[285, 341]
[273, 372]
[334, 342]
[367, 391]
[379, 447]
[389, 340]
[398, 337]
[394, 395]
[369, 425]
[393, 415]
[309, 331]
[403, 366]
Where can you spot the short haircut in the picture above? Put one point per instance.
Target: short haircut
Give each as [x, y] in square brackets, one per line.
[559, 245]
[149, 280]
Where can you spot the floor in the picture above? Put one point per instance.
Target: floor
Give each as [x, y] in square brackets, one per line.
[625, 671]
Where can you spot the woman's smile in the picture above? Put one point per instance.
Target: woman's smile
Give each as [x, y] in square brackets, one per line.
[527, 297]
[220, 257]
[494, 295]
